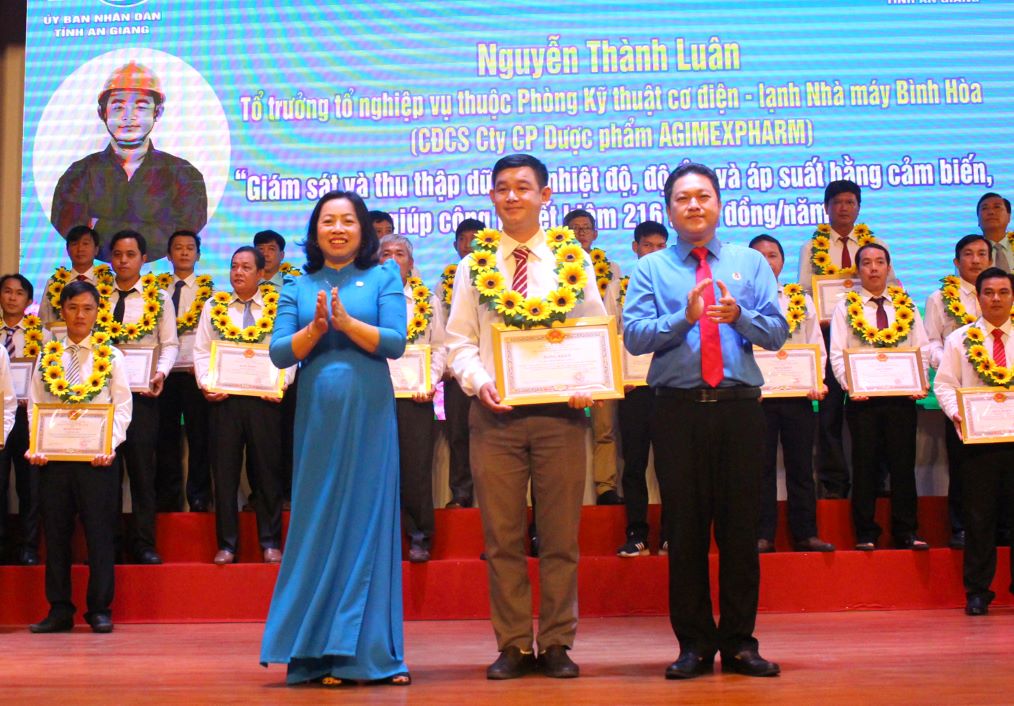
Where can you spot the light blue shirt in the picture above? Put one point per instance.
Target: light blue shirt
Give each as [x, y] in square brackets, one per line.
[654, 315]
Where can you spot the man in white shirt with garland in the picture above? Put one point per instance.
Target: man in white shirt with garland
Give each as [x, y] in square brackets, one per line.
[993, 211]
[82, 248]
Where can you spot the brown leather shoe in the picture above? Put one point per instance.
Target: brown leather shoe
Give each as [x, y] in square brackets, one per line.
[765, 546]
[223, 557]
[814, 544]
[272, 556]
[555, 662]
[511, 664]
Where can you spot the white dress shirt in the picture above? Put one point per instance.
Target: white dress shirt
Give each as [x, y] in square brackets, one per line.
[834, 251]
[955, 371]
[940, 323]
[164, 335]
[206, 333]
[46, 311]
[434, 334]
[808, 330]
[469, 325]
[185, 357]
[10, 401]
[843, 337]
[116, 392]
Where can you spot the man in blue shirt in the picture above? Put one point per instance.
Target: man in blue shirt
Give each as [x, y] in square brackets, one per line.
[709, 435]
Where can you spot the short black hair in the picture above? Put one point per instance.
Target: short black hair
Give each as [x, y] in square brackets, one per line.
[875, 246]
[579, 213]
[369, 244]
[467, 225]
[992, 273]
[76, 287]
[646, 228]
[269, 236]
[184, 234]
[22, 280]
[516, 161]
[142, 244]
[842, 186]
[691, 168]
[967, 240]
[77, 232]
[257, 254]
[381, 216]
[765, 238]
[991, 195]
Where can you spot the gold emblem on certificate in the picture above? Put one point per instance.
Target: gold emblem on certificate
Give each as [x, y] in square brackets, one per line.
[987, 414]
[792, 371]
[72, 432]
[539, 365]
[828, 290]
[139, 362]
[410, 374]
[885, 372]
[635, 367]
[244, 369]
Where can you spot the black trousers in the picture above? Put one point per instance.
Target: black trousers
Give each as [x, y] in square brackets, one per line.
[67, 490]
[181, 398]
[955, 478]
[456, 405]
[636, 416]
[415, 443]
[883, 429]
[26, 481]
[137, 453]
[832, 468]
[708, 462]
[249, 423]
[989, 476]
[792, 421]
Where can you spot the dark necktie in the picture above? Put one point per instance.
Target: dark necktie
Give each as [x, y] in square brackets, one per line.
[9, 341]
[82, 278]
[121, 304]
[711, 341]
[176, 296]
[999, 354]
[520, 283]
[846, 256]
[881, 312]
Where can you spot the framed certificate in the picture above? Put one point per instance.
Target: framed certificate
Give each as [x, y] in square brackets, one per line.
[535, 366]
[828, 290]
[793, 371]
[411, 372]
[244, 369]
[140, 364]
[987, 414]
[21, 375]
[72, 432]
[57, 328]
[635, 367]
[885, 372]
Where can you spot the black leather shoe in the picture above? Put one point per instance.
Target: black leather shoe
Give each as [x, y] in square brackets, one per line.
[977, 605]
[814, 544]
[911, 541]
[27, 557]
[52, 623]
[149, 556]
[749, 663]
[199, 506]
[610, 497]
[556, 663]
[957, 540]
[100, 623]
[765, 546]
[511, 664]
[690, 664]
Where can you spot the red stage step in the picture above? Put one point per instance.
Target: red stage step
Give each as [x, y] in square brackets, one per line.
[453, 585]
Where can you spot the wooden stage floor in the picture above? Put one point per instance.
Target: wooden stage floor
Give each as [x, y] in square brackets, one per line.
[918, 657]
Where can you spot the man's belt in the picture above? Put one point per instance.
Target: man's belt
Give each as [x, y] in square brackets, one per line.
[709, 394]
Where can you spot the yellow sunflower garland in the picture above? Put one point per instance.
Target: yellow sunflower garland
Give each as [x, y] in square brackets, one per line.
[982, 362]
[62, 277]
[950, 293]
[446, 287]
[515, 309]
[893, 335]
[33, 336]
[422, 309]
[187, 321]
[55, 376]
[287, 268]
[151, 312]
[229, 331]
[795, 312]
[820, 246]
[624, 283]
[603, 269]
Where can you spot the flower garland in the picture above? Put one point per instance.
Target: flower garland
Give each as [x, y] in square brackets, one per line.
[33, 336]
[1010, 237]
[422, 310]
[820, 245]
[150, 314]
[979, 358]
[62, 277]
[795, 312]
[446, 286]
[251, 334]
[187, 321]
[603, 269]
[624, 283]
[55, 376]
[530, 312]
[287, 268]
[950, 293]
[893, 335]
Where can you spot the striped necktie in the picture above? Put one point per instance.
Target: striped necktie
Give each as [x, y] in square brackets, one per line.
[999, 353]
[73, 371]
[520, 282]
[9, 341]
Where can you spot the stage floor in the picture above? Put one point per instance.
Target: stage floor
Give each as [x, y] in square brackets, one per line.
[932, 656]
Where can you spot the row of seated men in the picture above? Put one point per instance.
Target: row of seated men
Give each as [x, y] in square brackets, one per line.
[153, 460]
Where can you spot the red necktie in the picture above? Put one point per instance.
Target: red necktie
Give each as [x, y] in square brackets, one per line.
[711, 342]
[999, 354]
[881, 312]
[846, 257]
[520, 283]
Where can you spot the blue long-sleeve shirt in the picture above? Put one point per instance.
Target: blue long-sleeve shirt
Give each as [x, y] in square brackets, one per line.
[654, 315]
